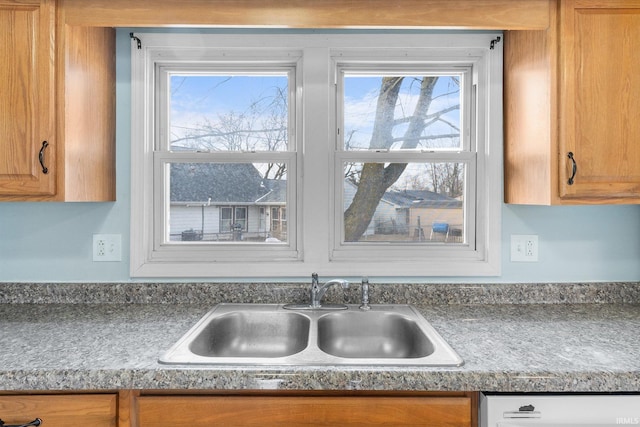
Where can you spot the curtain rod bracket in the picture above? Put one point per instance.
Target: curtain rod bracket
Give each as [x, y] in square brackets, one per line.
[494, 41]
[139, 42]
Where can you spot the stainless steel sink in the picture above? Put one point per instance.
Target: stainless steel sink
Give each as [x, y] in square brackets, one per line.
[268, 334]
[252, 334]
[372, 335]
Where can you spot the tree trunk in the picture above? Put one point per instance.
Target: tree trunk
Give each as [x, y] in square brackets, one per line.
[375, 178]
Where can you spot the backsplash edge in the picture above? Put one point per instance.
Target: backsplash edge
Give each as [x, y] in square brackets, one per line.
[416, 294]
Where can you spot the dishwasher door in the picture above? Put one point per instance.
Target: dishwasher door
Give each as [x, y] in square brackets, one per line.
[524, 424]
[565, 410]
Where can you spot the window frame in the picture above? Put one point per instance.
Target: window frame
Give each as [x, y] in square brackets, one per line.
[396, 63]
[310, 223]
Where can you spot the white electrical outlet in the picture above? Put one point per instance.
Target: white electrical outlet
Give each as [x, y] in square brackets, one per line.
[107, 247]
[524, 248]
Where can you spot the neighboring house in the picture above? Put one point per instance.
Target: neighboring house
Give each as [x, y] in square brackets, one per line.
[411, 213]
[429, 211]
[273, 206]
[231, 201]
[225, 201]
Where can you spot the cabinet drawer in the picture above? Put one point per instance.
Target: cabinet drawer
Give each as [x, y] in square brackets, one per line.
[266, 411]
[95, 410]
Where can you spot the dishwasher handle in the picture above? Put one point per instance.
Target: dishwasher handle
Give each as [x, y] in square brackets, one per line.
[522, 414]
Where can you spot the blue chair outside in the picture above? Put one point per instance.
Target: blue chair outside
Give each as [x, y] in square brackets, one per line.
[440, 228]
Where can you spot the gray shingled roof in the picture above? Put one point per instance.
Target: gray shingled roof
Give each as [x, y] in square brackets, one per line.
[224, 183]
[277, 192]
[241, 183]
[421, 199]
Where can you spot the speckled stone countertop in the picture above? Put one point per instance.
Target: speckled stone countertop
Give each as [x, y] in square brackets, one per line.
[513, 338]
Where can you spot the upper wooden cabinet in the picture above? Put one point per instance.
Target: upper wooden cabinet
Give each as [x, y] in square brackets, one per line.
[572, 93]
[57, 106]
[470, 14]
[600, 98]
[87, 112]
[27, 109]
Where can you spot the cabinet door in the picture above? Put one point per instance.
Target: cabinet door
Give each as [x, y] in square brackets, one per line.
[26, 98]
[276, 411]
[60, 410]
[600, 98]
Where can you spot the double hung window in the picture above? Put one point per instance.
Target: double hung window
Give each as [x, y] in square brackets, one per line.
[278, 155]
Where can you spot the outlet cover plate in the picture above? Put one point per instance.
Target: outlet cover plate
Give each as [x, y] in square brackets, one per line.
[107, 247]
[524, 248]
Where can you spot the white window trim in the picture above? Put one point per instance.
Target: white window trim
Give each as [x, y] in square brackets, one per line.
[314, 251]
[347, 252]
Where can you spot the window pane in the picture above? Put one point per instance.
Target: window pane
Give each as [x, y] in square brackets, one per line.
[223, 202]
[240, 222]
[279, 222]
[228, 112]
[226, 219]
[424, 204]
[389, 112]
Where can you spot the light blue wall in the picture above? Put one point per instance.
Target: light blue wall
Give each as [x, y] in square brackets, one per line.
[51, 242]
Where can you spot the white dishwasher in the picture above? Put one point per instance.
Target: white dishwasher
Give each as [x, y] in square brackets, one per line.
[559, 410]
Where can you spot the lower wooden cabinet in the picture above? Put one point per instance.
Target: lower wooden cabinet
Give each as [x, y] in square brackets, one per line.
[68, 410]
[130, 408]
[439, 410]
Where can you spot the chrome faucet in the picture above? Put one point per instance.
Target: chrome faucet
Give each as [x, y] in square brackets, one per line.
[317, 290]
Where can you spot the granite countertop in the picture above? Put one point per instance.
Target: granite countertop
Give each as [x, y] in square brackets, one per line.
[48, 344]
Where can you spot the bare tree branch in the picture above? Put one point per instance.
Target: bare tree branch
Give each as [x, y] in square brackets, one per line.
[218, 134]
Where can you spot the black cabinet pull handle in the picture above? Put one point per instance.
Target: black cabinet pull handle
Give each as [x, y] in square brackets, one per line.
[45, 144]
[574, 168]
[35, 422]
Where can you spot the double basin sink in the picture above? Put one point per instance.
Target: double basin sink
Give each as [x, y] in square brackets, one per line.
[269, 334]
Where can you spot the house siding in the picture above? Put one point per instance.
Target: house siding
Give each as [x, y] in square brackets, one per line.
[184, 218]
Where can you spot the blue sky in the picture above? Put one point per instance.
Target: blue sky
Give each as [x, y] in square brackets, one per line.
[209, 94]
[198, 98]
[361, 93]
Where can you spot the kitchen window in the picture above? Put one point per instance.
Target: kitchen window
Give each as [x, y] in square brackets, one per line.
[286, 154]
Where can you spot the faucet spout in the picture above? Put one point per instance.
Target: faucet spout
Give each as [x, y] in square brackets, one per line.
[318, 290]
